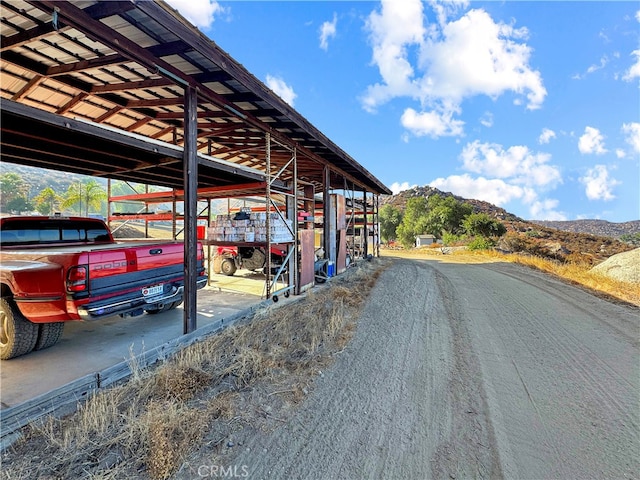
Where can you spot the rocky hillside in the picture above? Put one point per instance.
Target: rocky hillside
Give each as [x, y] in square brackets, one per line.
[400, 200]
[590, 241]
[594, 227]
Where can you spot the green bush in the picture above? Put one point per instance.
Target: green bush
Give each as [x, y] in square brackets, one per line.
[449, 239]
[481, 243]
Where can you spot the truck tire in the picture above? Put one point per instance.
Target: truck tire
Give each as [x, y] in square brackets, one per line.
[48, 334]
[17, 334]
[228, 267]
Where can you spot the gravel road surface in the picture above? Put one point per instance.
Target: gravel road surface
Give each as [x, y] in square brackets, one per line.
[468, 371]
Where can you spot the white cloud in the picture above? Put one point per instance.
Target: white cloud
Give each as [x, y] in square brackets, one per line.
[398, 26]
[591, 141]
[444, 10]
[604, 60]
[546, 136]
[599, 186]
[460, 59]
[487, 120]
[546, 210]
[494, 190]
[499, 192]
[327, 31]
[620, 153]
[476, 56]
[517, 163]
[281, 89]
[400, 187]
[199, 12]
[634, 70]
[433, 124]
[632, 132]
[504, 175]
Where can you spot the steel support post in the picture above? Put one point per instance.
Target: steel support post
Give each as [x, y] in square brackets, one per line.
[209, 220]
[109, 203]
[174, 229]
[190, 161]
[146, 210]
[292, 213]
[268, 213]
[365, 231]
[376, 225]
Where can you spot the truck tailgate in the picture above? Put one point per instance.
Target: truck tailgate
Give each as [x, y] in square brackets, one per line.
[151, 268]
[135, 257]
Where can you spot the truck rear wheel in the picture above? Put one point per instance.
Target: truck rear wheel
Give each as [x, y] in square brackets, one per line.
[228, 267]
[48, 334]
[17, 334]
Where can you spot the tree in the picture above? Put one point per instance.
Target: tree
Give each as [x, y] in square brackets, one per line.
[446, 214]
[85, 195]
[414, 221]
[631, 238]
[47, 201]
[19, 204]
[483, 225]
[14, 192]
[390, 219]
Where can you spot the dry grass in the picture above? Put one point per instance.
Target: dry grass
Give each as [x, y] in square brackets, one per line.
[577, 274]
[148, 426]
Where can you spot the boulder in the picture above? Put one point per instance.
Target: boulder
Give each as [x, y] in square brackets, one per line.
[624, 266]
[556, 249]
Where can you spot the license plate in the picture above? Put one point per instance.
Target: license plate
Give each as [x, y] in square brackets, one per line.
[151, 291]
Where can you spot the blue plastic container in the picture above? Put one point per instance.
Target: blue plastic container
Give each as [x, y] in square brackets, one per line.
[331, 269]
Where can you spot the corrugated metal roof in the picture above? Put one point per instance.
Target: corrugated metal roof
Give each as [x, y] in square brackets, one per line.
[123, 64]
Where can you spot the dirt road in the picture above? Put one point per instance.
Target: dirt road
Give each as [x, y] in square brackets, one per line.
[466, 371]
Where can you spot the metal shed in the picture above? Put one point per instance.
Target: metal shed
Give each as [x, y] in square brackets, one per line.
[130, 90]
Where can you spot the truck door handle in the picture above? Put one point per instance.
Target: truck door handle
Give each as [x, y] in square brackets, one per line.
[155, 251]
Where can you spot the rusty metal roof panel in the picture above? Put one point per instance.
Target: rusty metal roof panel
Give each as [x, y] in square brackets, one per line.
[125, 64]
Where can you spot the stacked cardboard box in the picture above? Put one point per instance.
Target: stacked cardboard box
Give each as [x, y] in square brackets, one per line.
[225, 228]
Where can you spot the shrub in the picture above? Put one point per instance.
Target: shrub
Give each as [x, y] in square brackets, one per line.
[481, 243]
[449, 239]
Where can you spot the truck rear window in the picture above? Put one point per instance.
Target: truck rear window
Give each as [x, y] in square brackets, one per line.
[51, 232]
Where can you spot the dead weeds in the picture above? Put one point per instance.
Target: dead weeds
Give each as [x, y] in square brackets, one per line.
[248, 375]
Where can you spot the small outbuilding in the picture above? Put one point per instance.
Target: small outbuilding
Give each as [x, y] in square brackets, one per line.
[425, 240]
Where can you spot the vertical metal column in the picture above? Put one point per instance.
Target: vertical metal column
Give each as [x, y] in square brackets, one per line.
[174, 230]
[190, 172]
[146, 211]
[376, 226]
[268, 214]
[109, 202]
[365, 231]
[292, 213]
[209, 220]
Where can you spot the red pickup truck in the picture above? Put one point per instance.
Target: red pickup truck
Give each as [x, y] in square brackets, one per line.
[58, 269]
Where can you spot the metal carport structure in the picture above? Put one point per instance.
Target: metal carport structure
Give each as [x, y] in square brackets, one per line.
[141, 72]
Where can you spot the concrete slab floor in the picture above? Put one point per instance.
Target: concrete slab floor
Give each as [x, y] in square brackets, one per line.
[87, 347]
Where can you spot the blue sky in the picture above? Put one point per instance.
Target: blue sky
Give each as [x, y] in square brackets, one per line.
[533, 106]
